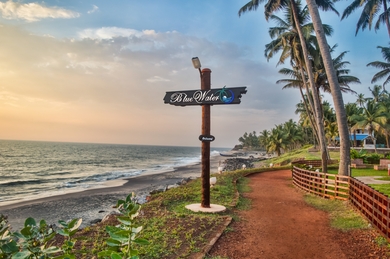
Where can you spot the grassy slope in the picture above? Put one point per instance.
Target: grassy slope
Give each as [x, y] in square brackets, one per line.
[175, 232]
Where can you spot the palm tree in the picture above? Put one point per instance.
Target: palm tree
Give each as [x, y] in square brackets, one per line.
[386, 127]
[333, 83]
[361, 100]
[373, 118]
[273, 6]
[342, 73]
[331, 132]
[305, 108]
[286, 40]
[306, 121]
[293, 134]
[351, 110]
[370, 10]
[277, 140]
[385, 66]
[377, 93]
[263, 138]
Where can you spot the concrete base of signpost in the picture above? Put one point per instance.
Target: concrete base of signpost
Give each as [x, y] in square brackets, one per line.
[214, 208]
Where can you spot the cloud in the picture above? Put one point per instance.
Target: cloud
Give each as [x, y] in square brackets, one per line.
[93, 10]
[112, 32]
[113, 83]
[33, 12]
[156, 79]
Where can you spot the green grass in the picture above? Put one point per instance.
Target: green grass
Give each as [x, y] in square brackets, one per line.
[302, 153]
[383, 178]
[342, 216]
[175, 232]
[362, 172]
[382, 188]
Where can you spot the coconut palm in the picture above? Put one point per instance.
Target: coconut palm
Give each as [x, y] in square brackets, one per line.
[342, 72]
[307, 99]
[292, 38]
[249, 140]
[333, 83]
[331, 132]
[384, 65]
[377, 94]
[371, 8]
[263, 138]
[306, 121]
[386, 127]
[272, 6]
[351, 110]
[372, 118]
[361, 100]
[286, 40]
[277, 140]
[293, 134]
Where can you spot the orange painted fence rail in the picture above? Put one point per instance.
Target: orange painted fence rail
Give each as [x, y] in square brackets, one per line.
[374, 205]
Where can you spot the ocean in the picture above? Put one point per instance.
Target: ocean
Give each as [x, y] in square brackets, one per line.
[32, 169]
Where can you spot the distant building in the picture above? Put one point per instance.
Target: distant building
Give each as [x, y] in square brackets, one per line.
[362, 139]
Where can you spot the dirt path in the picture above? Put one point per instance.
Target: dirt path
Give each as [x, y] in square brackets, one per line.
[281, 225]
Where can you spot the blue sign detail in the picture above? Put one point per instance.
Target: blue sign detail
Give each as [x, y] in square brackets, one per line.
[226, 95]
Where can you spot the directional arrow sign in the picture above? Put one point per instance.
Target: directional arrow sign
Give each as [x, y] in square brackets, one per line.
[201, 97]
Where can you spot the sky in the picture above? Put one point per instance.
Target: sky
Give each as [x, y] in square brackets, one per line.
[97, 71]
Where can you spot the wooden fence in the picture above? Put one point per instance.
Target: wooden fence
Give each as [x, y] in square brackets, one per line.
[321, 184]
[374, 205]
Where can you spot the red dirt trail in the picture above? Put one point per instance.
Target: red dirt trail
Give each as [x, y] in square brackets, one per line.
[281, 225]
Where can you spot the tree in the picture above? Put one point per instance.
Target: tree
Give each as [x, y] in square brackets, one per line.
[342, 73]
[385, 66]
[351, 109]
[334, 86]
[370, 10]
[263, 138]
[372, 118]
[275, 5]
[361, 100]
[305, 123]
[277, 140]
[249, 140]
[293, 134]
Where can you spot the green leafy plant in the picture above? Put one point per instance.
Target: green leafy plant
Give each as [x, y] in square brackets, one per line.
[373, 158]
[124, 237]
[358, 154]
[68, 229]
[8, 246]
[33, 240]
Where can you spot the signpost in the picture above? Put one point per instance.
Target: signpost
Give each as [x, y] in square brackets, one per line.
[205, 97]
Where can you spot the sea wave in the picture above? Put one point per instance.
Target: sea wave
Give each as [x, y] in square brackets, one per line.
[98, 178]
[21, 182]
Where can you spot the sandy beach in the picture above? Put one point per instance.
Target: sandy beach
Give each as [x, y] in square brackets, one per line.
[94, 204]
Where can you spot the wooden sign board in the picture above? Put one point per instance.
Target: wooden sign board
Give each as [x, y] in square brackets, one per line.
[201, 97]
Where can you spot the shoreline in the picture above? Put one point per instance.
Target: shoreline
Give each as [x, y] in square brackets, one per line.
[93, 204]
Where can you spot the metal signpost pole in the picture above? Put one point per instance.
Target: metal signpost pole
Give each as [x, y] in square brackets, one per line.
[205, 85]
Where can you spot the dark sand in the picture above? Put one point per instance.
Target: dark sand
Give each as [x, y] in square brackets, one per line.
[94, 204]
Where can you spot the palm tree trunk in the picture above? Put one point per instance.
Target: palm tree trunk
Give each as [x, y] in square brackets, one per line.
[321, 132]
[313, 125]
[344, 168]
